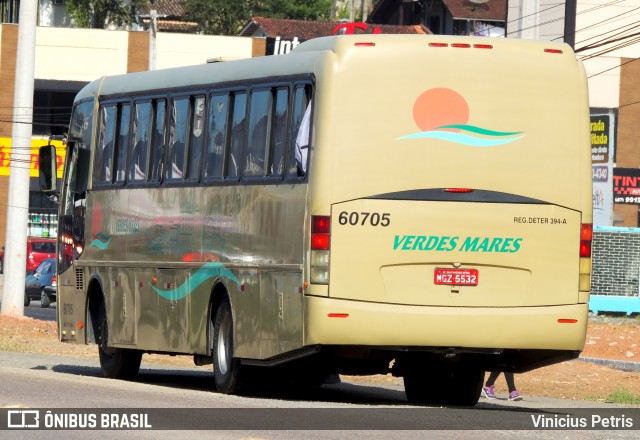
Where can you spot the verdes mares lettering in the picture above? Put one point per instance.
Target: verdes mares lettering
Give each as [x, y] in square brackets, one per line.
[448, 244]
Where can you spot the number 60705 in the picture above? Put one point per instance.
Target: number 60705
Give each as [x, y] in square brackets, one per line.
[355, 218]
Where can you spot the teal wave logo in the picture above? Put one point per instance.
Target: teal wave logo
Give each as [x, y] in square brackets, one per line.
[101, 242]
[206, 272]
[473, 136]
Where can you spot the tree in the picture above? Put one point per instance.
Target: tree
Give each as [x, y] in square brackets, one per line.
[299, 9]
[219, 17]
[99, 14]
[226, 17]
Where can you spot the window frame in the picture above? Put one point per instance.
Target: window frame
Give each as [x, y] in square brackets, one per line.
[190, 136]
[106, 182]
[160, 160]
[166, 180]
[119, 105]
[248, 113]
[218, 180]
[278, 177]
[132, 137]
[211, 92]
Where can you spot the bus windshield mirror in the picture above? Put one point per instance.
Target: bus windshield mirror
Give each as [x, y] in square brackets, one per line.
[47, 156]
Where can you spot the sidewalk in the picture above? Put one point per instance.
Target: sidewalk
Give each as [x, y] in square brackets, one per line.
[618, 365]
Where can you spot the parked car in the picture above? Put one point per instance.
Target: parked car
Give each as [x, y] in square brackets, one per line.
[42, 284]
[38, 248]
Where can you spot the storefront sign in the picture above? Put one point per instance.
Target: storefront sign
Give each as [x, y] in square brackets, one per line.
[32, 160]
[603, 128]
[626, 186]
[281, 46]
[600, 138]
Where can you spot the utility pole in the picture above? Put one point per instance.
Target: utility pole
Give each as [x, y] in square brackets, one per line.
[15, 259]
[570, 10]
[153, 27]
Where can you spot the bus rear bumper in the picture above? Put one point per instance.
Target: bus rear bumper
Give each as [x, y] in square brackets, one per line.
[343, 322]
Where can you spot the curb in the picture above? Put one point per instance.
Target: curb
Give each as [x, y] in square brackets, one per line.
[618, 365]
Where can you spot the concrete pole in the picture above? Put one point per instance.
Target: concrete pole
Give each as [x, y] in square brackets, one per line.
[153, 26]
[529, 20]
[15, 260]
[153, 22]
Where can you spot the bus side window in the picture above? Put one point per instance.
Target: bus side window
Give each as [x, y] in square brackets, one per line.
[103, 164]
[196, 137]
[217, 136]
[278, 133]
[177, 138]
[259, 124]
[140, 153]
[157, 140]
[301, 101]
[122, 145]
[238, 136]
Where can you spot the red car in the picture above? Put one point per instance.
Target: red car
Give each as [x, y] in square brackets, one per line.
[38, 249]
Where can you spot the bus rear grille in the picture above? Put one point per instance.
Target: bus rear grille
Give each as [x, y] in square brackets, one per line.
[79, 279]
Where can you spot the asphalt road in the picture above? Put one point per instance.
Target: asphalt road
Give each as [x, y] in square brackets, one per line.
[34, 310]
[187, 401]
[190, 407]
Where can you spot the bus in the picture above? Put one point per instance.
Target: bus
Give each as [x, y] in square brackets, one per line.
[419, 206]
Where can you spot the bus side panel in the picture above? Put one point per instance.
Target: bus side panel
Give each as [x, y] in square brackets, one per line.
[281, 312]
[70, 309]
[121, 306]
[147, 324]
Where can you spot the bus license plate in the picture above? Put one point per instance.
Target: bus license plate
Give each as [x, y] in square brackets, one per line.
[455, 277]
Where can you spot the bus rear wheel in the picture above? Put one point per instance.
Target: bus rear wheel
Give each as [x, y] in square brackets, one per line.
[115, 363]
[444, 386]
[228, 374]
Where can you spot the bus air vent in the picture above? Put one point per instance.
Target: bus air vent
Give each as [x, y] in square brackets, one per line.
[79, 279]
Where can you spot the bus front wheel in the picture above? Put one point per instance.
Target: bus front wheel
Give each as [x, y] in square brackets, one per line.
[227, 371]
[115, 363]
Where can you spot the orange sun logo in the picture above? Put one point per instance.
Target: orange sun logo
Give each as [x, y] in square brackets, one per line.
[440, 106]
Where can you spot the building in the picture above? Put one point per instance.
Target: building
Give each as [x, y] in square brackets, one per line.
[447, 17]
[63, 67]
[282, 35]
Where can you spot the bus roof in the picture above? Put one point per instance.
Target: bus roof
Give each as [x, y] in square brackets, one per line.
[304, 59]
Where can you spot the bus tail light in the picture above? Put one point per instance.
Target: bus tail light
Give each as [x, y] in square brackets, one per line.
[586, 235]
[458, 190]
[320, 245]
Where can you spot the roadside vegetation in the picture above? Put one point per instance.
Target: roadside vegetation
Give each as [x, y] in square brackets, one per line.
[622, 396]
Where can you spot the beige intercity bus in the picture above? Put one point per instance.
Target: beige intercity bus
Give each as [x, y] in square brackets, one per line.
[367, 204]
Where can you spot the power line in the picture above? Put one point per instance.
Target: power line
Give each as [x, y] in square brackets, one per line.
[591, 10]
[610, 49]
[605, 42]
[606, 21]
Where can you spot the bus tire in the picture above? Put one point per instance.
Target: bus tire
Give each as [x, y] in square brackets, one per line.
[227, 371]
[115, 363]
[451, 386]
[45, 301]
